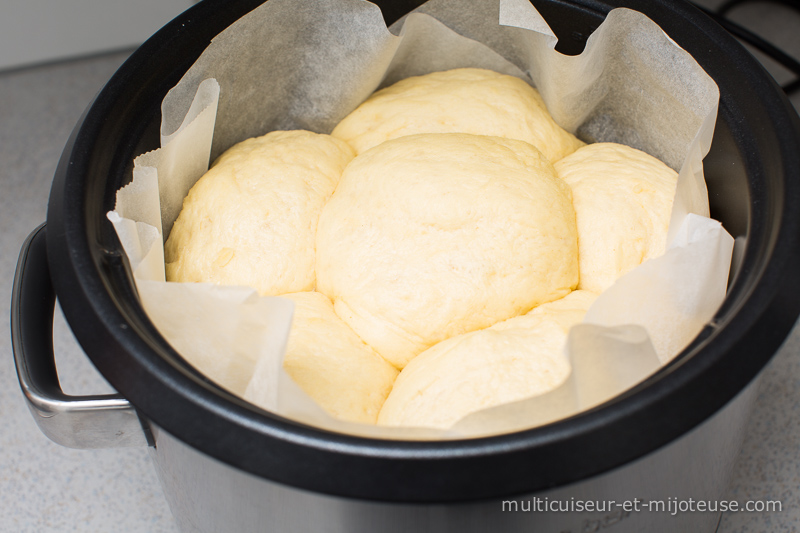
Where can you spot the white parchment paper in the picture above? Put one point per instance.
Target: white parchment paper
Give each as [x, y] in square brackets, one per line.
[305, 64]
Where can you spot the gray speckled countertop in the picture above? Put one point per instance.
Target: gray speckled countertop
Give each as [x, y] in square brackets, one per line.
[47, 488]
[43, 486]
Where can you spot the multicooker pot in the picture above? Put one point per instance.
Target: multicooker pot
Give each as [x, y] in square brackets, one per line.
[228, 466]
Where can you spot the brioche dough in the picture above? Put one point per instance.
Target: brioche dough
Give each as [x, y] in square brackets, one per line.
[465, 100]
[449, 248]
[623, 202]
[332, 365]
[512, 360]
[430, 236]
[252, 218]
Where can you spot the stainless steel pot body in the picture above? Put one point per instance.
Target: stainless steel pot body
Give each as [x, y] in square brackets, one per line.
[207, 496]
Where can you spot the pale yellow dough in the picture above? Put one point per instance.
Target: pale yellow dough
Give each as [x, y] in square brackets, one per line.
[252, 219]
[623, 202]
[516, 359]
[430, 236]
[465, 100]
[332, 365]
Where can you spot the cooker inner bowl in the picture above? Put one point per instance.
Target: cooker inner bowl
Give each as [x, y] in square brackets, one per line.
[751, 172]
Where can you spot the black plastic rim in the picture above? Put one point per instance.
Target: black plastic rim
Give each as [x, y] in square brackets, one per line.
[93, 285]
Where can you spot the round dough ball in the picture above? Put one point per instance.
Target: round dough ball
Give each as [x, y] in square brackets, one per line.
[516, 359]
[434, 235]
[332, 365]
[465, 100]
[252, 218]
[623, 202]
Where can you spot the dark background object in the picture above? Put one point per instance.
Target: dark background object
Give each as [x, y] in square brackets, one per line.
[720, 15]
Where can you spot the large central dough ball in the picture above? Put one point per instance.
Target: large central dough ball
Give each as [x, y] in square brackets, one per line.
[465, 100]
[252, 218]
[623, 202]
[430, 236]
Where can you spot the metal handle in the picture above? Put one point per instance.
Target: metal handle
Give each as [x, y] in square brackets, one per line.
[98, 421]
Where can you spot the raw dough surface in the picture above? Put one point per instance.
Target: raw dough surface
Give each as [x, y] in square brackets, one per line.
[466, 100]
[252, 218]
[430, 236]
[332, 365]
[516, 359]
[623, 202]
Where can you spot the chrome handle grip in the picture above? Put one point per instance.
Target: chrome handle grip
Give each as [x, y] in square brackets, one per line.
[98, 421]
